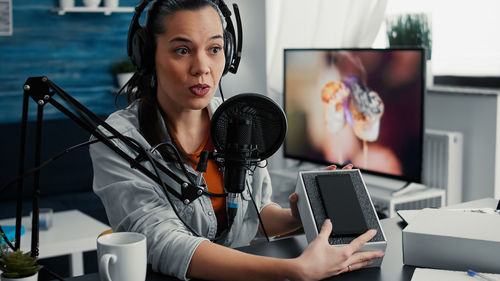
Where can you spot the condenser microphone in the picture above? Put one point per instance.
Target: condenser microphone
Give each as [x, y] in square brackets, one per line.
[238, 148]
[245, 130]
[238, 157]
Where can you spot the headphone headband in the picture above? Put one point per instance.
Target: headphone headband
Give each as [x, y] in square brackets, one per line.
[134, 24]
[140, 44]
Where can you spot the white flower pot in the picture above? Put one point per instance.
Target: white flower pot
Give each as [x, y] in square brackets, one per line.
[33, 277]
[65, 4]
[91, 3]
[110, 3]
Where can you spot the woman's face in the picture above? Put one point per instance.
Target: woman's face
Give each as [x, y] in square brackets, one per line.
[189, 59]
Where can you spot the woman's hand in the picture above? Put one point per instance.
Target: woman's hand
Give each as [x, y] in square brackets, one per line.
[293, 199]
[333, 167]
[321, 260]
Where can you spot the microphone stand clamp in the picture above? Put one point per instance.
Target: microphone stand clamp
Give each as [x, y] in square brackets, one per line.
[190, 192]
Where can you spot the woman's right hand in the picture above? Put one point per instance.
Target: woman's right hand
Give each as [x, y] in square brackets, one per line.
[321, 260]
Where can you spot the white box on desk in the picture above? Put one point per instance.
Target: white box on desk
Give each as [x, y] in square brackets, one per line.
[312, 213]
[454, 240]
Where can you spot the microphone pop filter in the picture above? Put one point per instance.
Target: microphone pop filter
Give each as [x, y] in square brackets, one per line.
[268, 123]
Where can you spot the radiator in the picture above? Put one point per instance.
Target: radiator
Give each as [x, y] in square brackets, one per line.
[442, 163]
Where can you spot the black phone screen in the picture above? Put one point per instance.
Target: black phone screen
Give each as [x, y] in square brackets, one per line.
[341, 205]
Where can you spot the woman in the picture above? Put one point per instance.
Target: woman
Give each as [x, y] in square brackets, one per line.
[173, 104]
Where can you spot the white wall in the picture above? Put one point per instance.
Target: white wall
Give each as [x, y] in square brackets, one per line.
[475, 114]
[251, 75]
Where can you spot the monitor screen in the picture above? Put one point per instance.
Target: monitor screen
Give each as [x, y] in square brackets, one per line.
[359, 106]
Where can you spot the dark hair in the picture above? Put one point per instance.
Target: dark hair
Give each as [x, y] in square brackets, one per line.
[144, 86]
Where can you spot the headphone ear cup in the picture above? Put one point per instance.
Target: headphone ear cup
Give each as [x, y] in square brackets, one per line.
[228, 51]
[142, 51]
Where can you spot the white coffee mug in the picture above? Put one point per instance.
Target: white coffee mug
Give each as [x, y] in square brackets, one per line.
[122, 256]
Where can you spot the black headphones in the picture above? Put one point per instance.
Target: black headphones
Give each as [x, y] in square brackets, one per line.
[140, 44]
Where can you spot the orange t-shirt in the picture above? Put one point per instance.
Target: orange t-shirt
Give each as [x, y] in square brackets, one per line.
[214, 180]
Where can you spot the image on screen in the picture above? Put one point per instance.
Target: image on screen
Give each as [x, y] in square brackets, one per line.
[359, 106]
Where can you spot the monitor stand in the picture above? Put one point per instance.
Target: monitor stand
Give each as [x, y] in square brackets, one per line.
[393, 186]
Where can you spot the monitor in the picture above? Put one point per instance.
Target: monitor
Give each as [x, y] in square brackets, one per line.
[359, 106]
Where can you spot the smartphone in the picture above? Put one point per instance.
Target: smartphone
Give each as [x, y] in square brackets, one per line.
[341, 205]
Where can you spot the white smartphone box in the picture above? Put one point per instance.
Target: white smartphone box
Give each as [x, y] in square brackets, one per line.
[313, 214]
[454, 240]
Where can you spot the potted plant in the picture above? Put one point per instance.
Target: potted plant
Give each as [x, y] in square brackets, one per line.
[18, 266]
[411, 30]
[123, 70]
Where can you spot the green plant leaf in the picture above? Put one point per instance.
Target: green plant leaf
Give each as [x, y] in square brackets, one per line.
[18, 264]
[122, 66]
[410, 30]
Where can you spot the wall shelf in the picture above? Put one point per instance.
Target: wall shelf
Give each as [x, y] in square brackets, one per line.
[107, 11]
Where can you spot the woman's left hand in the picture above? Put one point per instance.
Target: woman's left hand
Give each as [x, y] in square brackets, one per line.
[293, 199]
[333, 167]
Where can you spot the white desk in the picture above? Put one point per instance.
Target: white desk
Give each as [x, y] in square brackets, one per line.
[72, 233]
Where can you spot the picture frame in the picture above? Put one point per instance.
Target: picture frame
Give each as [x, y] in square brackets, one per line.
[6, 17]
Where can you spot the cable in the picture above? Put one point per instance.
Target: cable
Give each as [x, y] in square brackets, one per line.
[214, 194]
[220, 90]
[4, 236]
[177, 156]
[52, 273]
[179, 161]
[47, 162]
[258, 214]
[263, 166]
[155, 168]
